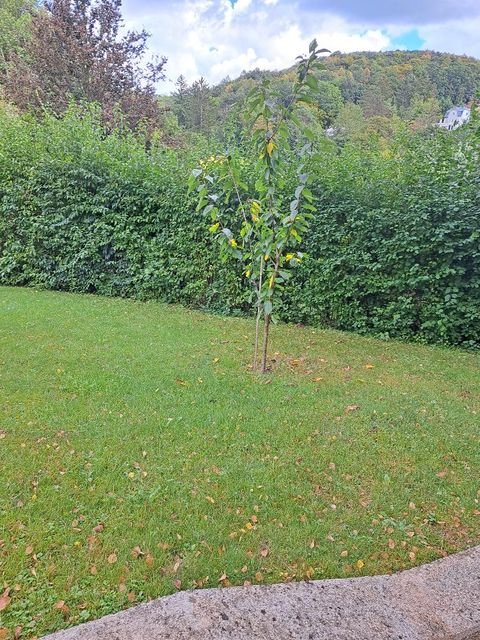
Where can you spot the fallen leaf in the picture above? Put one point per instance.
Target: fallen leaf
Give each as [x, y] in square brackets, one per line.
[412, 505]
[92, 541]
[3, 633]
[176, 565]
[149, 560]
[210, 499]
[264, 552]
[61, 606]
[181, 382]
[369, 366]
[412, 556]
[344, 554]
[259, 576]
[312, 544]
[249, 526]
[222, 577]
[137, 552]
[360, 564]
[93, 570]
[5, 600]
[391, 543]
[442, 474]
[352, 407]
[17, 633]
[177, 584]
[99, 528]
[131, 597]
[254, 519]
[112, 558]
[29, 550]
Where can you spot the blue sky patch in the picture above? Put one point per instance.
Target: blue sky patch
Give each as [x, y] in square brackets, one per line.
[410, 40]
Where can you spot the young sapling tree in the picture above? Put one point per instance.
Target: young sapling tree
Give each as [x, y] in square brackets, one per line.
[269, 229]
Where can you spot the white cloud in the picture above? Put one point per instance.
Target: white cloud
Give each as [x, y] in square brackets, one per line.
[456, 36]
[215, 39]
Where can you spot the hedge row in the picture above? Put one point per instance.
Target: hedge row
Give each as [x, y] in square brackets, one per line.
[394, 248]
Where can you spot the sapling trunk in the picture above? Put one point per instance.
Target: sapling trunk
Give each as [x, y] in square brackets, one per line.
[259, 315]
[266, 330]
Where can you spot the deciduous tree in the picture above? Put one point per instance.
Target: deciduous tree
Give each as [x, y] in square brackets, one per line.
[76, 52]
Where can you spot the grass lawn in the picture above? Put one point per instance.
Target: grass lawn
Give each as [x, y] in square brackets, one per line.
[139, 455]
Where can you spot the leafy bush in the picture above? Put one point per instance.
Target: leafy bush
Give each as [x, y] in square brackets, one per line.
[394, 247]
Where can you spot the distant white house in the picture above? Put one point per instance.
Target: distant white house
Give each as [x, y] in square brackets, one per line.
[454, 118]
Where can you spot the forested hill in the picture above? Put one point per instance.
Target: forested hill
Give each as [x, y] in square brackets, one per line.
[417, 86]
[401, 77]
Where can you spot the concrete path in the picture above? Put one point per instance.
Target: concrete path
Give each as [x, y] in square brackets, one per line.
[439, 601]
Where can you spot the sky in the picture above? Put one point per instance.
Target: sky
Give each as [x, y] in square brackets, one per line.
[220, 38]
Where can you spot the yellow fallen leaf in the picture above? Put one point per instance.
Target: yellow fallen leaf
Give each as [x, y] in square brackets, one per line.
[360, 564]
[369, 366]
[210, 499]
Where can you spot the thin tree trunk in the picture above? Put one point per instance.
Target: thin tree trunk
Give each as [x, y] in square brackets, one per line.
[259, 315]
[266, 330]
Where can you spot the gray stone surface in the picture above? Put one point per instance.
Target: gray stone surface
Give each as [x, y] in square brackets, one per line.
[438, 601]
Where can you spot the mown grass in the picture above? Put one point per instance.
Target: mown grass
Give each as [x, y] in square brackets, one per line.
[129, 427]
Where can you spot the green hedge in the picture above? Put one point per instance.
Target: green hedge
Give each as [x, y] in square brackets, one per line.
[394, 248]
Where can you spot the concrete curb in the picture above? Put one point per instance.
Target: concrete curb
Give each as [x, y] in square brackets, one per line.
[438, 601]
